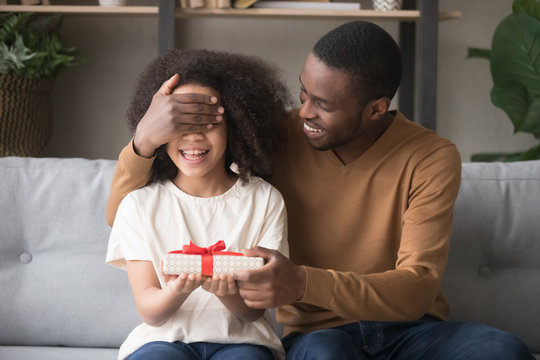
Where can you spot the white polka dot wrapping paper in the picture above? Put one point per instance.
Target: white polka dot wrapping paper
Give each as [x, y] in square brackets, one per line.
[174, 264]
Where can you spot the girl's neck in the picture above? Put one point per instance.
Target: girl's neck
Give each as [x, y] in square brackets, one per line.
[206, 186]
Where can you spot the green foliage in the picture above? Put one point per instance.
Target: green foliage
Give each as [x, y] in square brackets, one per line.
[478, 53]
[30, 46]
[13, 57]
[515, 69]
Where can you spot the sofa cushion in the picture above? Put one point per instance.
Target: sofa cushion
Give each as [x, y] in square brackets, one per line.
[56, 288]
[493, 272]
[56, 353]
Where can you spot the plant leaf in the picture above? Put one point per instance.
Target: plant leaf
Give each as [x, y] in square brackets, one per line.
[476, 53]
[527, 7]
[490, 157]
[522, 109]
[531, 154]
[41, 38]
[515, 52]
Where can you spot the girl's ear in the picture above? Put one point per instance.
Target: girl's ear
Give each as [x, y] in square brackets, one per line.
[378, 108]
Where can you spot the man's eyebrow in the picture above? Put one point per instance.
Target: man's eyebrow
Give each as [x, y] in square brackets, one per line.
[318, 99]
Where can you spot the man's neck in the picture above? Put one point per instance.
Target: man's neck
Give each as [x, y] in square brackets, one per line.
[363, 143]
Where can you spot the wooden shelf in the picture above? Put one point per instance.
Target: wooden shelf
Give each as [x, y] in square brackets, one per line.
[397, 15]
[75, 9]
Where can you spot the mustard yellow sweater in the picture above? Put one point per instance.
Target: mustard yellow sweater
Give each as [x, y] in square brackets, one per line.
[372, 235]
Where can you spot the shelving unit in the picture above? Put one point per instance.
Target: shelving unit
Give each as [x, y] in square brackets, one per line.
[76, 9]
[425, 16]
[396, 15]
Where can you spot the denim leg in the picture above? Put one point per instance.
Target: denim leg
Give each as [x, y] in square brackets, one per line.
[243, 352]
[327, 344]
[430, 339]
[425, 339]
[163, 350]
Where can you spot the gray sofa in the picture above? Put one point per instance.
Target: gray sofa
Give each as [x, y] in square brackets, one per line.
[59, 300]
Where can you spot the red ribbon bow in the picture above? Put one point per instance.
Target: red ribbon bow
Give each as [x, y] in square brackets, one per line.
[207, 253]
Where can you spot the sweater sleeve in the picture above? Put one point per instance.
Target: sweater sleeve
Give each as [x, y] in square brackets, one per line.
[409, 290]
[132, 172]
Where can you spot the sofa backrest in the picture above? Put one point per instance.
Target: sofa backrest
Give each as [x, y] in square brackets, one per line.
[493, 272]
[55, 286]
[57, 290]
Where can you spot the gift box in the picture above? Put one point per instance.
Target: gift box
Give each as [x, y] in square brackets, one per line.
[208, 261]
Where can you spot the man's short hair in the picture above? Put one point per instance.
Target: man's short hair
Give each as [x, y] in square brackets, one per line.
[367, 53]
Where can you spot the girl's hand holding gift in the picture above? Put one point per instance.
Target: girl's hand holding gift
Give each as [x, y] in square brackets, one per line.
[220, 285]
[183, 283]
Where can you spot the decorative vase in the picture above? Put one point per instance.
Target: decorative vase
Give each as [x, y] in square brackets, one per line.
[112, 2]
[386, 5]
[25, 115]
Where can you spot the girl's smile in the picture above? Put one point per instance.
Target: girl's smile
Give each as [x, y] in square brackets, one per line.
[194, 156]
[200, 156]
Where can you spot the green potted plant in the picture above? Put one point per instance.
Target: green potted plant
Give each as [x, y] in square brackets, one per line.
[515, 69]
[31, 56]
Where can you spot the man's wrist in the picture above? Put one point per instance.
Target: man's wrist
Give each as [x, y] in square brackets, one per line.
[141, 150]
[302, 279]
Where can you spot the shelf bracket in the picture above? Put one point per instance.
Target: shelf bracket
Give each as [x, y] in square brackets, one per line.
[427, 63]
[407, 41]
[166, 29]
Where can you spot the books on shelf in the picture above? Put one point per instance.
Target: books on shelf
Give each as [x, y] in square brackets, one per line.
[205, 3]
[327, 5]
[272, 4]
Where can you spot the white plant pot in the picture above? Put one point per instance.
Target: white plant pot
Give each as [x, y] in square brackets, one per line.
[386, 5]
[112, 2]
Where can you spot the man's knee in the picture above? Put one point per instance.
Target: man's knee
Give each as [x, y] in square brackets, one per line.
[482, 342]
[499, 344]
[325, 345]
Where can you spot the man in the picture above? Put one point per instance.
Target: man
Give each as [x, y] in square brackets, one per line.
[370, 198]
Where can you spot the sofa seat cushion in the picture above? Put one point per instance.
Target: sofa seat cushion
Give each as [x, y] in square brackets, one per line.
[56, 353]
[493, 272]
[57, 289]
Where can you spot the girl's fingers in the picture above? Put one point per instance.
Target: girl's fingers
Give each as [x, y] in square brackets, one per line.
[231, 285]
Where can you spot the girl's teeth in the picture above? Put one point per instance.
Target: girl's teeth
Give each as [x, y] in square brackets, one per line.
[193, 152]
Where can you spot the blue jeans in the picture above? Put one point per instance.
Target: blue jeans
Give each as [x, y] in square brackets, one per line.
[426, 339]
[162, 350]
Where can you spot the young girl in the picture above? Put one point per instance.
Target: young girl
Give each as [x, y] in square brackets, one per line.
[194, 195]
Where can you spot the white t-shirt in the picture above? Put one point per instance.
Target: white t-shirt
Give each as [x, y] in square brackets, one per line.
[160, 218]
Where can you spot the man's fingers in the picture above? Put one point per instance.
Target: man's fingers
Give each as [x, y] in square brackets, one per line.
[190, 98]
[197, 108]
[258, 304]
[169, 85]
[257, 275]
[245, 277]
[253, 295]
[259, 251]
[192, 128]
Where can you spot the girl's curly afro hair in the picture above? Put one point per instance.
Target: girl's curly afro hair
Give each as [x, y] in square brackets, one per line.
[254, 98]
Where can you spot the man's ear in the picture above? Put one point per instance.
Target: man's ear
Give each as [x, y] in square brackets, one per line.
[378, 108]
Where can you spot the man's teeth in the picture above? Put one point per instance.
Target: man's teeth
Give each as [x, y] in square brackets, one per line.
[310, 129]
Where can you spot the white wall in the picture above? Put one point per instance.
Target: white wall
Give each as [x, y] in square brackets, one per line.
[90, 101]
